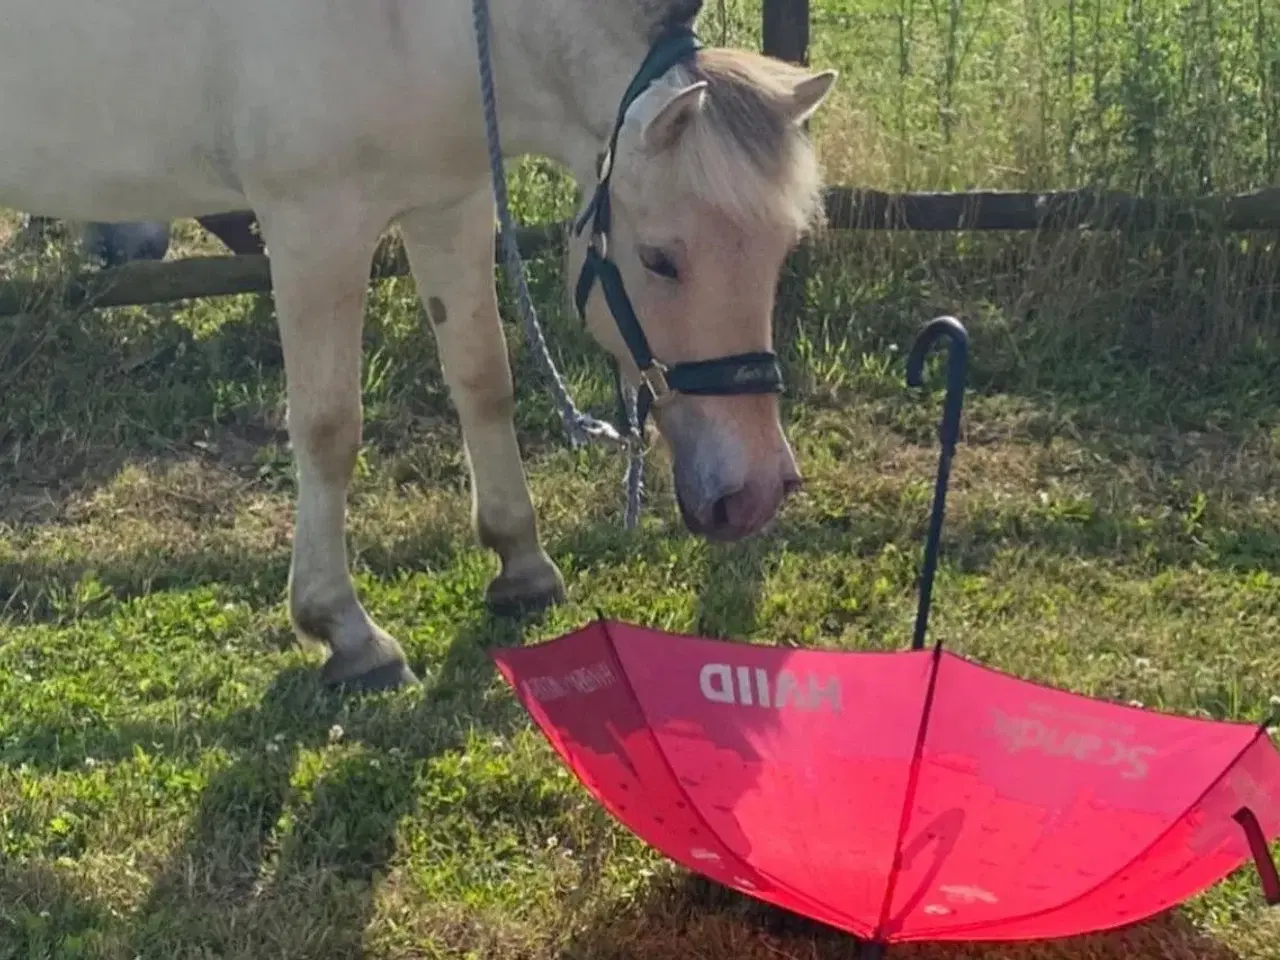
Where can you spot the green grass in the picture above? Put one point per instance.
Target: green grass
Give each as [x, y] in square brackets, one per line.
[176, 785]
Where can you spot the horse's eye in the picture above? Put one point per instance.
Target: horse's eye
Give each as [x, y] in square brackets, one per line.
[655, 261]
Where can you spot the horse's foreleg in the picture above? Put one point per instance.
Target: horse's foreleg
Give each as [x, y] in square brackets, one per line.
[320, 257]
[451, 254]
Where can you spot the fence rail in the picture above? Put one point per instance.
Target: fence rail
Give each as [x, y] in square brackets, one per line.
[147, 282]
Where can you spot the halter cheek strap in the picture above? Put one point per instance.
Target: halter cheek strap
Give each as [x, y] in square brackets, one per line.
[740, 373]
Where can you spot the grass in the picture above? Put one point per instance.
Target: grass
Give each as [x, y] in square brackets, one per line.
[174, 783]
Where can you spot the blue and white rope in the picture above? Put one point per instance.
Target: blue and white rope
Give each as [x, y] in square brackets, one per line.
[579, 427]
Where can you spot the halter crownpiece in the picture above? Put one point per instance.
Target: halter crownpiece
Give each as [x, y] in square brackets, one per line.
[739, 373]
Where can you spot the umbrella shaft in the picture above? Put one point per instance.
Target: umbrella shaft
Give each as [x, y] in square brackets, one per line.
[932, 543]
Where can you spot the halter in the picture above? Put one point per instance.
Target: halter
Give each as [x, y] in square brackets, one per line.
[739, 373]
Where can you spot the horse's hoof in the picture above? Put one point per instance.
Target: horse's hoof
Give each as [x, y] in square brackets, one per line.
[518, 593]
[341, 675]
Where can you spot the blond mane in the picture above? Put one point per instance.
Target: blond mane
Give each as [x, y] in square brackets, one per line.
[743, 154]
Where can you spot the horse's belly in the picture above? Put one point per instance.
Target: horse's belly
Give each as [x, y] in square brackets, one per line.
[66, 191]
[153, 109]
[113, 111]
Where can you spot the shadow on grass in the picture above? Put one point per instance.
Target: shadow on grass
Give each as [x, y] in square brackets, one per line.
[684, 915]
[48, 588]
[45, 914]
[95, 389]
[283, 856]
[88, 392]
[729, 600]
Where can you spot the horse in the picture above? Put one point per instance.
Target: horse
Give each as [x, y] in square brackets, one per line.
[117, 243]
[332, 121]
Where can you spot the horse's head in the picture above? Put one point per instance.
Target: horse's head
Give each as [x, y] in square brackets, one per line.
[713, 182]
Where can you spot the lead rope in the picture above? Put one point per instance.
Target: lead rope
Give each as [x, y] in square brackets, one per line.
[579, 427]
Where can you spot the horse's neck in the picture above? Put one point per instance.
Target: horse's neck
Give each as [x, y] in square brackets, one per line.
[574, 61]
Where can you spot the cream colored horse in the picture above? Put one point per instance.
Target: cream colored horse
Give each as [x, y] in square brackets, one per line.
[333, 120]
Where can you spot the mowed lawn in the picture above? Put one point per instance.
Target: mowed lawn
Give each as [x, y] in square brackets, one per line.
[176, 784]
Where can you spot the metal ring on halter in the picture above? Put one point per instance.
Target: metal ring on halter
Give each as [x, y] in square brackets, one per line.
[655, 378]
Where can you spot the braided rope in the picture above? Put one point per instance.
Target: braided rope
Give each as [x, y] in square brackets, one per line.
[579, 427]
[635, 462]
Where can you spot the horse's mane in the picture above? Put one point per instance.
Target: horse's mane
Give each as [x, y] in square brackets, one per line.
[742, 153]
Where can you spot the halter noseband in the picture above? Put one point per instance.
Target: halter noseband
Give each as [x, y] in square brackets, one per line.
[739, 373]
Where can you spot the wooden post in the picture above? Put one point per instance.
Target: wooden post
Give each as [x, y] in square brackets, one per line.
[786, 30]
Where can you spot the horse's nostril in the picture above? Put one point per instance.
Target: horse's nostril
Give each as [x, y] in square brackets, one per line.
[792, 485]
[734, 513]
[720, 512]
[741, 512]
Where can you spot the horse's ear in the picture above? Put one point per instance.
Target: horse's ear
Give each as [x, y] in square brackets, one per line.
[665, 126]
[807, 95]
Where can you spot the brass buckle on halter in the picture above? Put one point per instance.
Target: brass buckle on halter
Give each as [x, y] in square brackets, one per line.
[655, 378]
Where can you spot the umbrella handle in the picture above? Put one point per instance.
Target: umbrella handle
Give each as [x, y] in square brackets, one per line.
[1267, 873]
[949, 432]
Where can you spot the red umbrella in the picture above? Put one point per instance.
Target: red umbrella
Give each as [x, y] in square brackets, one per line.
[902, 796]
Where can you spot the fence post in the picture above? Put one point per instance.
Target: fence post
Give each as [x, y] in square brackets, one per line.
[786, 30]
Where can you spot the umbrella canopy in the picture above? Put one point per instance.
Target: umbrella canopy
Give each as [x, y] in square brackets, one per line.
[900, 796]
[908, 795]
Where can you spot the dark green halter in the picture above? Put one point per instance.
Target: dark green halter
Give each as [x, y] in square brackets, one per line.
[736, 374]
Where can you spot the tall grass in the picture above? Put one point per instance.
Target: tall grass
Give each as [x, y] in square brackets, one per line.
[1146, 95]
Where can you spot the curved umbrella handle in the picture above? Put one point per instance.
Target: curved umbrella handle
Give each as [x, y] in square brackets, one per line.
[949, 433]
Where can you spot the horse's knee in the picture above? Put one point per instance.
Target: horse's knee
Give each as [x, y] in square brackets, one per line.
[335, 428]
[485, 393]
[328, 435]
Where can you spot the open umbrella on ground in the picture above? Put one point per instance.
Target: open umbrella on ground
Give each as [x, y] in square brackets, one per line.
[903, 796]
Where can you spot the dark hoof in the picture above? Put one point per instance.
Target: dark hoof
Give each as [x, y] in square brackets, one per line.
[387, 676]
[516, 594]
[518, 605]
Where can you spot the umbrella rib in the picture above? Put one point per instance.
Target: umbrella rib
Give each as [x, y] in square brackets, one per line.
[693, 805]
[909, 797]
[1213, 784]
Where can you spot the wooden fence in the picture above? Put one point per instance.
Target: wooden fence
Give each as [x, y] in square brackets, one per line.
[150, 281]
